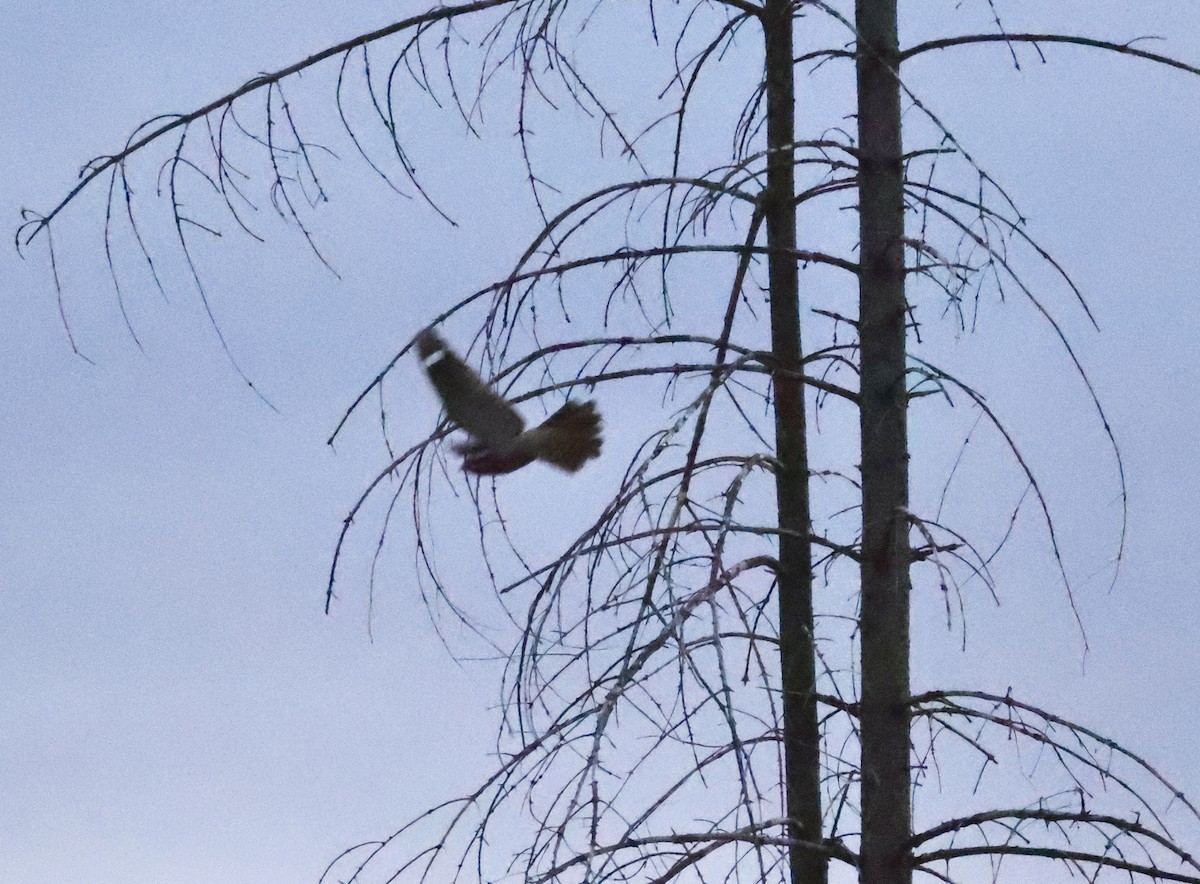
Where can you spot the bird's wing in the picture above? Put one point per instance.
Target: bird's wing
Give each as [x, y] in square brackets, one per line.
[468, 401]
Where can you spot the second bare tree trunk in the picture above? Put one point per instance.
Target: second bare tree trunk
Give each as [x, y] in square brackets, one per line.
[886, 814]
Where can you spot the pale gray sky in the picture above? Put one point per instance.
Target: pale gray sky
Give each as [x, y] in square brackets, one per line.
[178, 709]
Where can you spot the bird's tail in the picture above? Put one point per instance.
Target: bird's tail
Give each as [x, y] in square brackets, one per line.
[570, 437]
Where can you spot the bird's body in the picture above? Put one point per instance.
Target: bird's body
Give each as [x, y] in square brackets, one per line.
[499, 442]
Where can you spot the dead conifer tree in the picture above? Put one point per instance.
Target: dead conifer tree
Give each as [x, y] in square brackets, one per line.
[708, 679]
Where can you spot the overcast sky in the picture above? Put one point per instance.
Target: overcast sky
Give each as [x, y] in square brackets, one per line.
[177, 708]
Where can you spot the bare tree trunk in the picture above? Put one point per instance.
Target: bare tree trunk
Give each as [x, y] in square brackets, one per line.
[801, 736]
[886, 813]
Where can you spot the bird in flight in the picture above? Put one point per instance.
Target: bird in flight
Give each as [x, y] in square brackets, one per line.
[499, 442]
